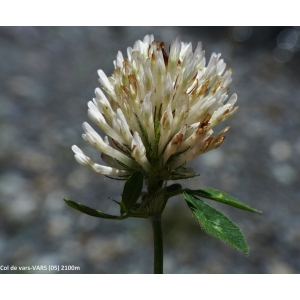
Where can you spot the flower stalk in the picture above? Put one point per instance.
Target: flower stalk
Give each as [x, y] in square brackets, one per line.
[158, 244]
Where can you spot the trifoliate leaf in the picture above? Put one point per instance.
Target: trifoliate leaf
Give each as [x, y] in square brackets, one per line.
[222, 197]
[215, 223]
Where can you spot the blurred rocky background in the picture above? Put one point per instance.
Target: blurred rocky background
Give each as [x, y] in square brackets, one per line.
[48, 74]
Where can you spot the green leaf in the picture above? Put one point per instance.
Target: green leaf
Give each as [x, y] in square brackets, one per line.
[219, 196]
[215, 223]
[90, 211]
[132, 190]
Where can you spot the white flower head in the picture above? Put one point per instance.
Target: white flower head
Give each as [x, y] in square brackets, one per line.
[158, 110]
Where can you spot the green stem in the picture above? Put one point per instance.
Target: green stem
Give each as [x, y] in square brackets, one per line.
[158, 244]
[174, 193]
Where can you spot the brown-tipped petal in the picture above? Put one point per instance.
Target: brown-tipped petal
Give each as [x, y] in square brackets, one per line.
[158, 109]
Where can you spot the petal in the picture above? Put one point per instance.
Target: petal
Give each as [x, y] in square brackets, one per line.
[106, 84]
[87, 162]
[96, 141]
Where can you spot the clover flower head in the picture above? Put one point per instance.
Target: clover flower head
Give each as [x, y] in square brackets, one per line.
[158, 110]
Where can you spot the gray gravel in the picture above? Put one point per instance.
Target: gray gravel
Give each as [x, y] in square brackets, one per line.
[48, 74]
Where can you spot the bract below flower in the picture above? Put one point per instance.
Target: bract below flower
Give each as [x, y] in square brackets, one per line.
[158, 110]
